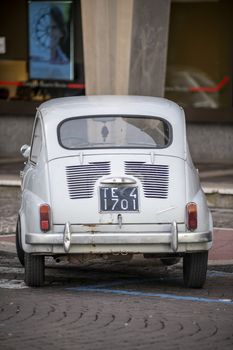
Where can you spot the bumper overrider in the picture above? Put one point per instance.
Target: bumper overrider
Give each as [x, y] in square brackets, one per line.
[105, 242]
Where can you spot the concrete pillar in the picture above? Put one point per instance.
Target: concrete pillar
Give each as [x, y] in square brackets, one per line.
[107, 26]
[149, 47]
[125, 46]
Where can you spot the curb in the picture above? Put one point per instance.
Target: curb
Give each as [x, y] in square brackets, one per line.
[212, 188]
[10, 180]
[219, 197]
[10, 183]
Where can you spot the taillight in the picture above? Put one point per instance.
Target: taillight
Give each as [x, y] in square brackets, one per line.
[45, 217]
[191, 216]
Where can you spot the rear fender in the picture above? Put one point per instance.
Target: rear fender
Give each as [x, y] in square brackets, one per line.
[204, 217]
[29, 215]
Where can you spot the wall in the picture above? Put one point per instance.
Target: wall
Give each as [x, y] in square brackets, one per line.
[14, 132]
[211, 143]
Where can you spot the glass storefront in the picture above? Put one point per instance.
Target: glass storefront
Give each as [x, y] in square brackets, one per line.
[199, 61]
[199, 58]
[32, 68]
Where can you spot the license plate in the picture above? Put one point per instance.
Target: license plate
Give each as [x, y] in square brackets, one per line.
[118, 199]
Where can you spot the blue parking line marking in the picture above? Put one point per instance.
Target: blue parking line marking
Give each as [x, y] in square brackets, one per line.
[146, 294]
[219, 274]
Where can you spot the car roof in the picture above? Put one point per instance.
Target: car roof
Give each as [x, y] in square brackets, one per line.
[65, 107]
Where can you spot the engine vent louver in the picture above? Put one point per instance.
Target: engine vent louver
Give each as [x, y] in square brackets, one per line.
[154, 178]
[81, 178]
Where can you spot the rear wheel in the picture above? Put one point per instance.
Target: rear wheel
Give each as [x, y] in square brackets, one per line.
[194, 269]
[19, 249]
[34, 270]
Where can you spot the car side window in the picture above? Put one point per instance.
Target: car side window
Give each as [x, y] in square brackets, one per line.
[36, 142]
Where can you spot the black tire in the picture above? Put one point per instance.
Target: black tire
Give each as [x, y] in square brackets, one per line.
[169, 261]
[19, 249]
[34, 270]
[194, 269]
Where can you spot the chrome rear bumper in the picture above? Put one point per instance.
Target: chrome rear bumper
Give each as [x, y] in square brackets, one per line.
[72, 242]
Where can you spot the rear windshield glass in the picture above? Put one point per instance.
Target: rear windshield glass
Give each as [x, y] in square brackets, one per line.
[114, 131]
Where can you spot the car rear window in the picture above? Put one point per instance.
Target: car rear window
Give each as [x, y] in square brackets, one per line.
[114, 131]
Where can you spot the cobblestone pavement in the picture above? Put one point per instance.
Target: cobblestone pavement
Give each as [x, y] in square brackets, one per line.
[55, 320]
[110, 306]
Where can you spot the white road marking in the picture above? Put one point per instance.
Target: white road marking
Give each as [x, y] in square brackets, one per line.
[12, 284]
[4, 269]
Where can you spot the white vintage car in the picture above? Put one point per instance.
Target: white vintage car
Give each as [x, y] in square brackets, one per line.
[112, 175]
